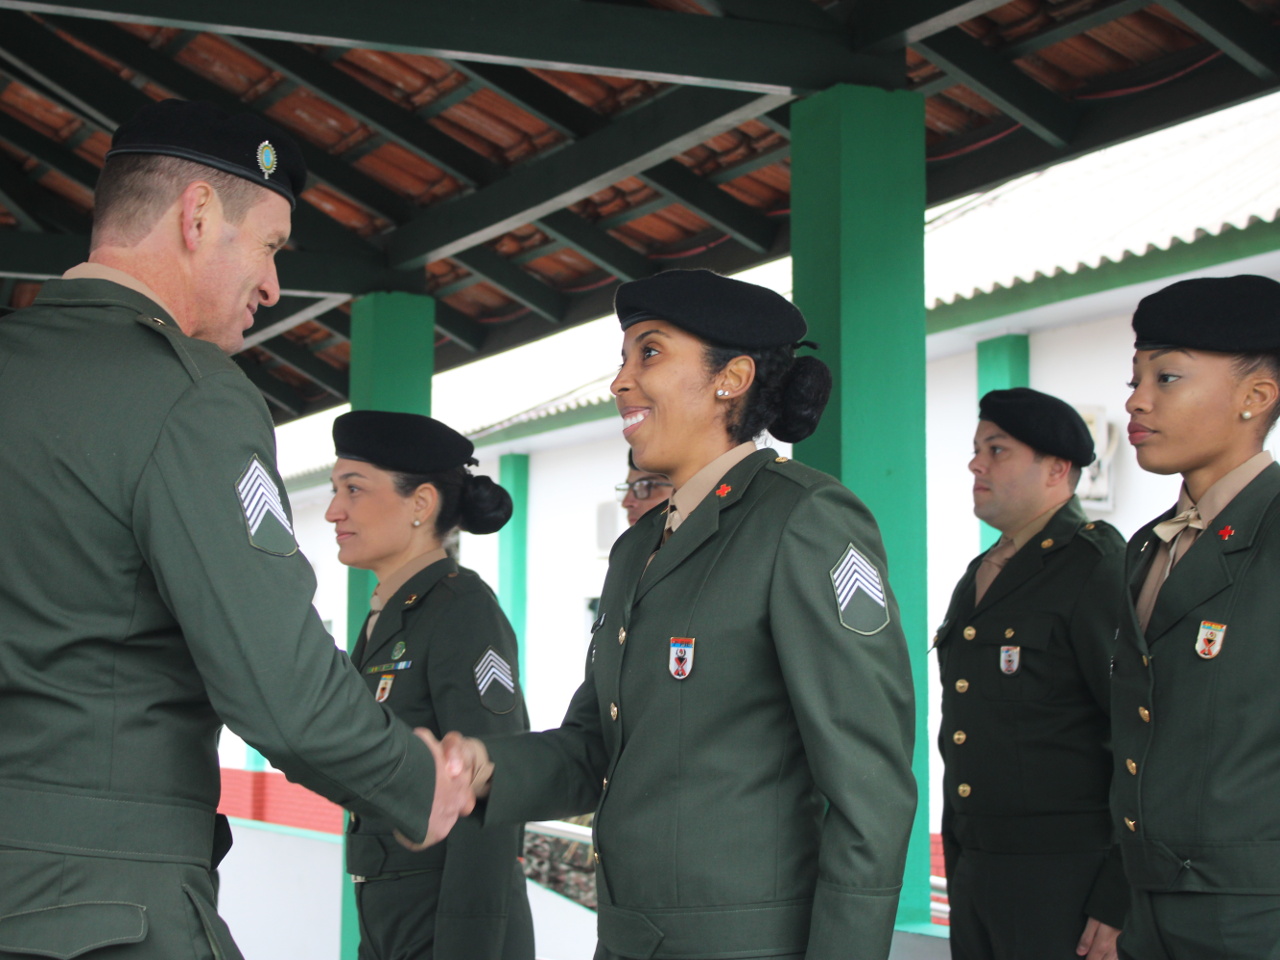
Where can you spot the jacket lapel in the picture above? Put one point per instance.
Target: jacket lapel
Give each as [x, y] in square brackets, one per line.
[1029, 561]
[1209, 566]
[391, 620]
[703, 522]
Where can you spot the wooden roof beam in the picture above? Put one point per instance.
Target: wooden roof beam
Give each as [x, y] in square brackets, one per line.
[879, 27]
[967, 61]
[553, 34]
[745, 224]
[302, 359]
[520, 285]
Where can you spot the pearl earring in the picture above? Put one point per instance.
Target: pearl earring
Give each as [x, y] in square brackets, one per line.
[722, 393]
[417, 523]
[1246, 415]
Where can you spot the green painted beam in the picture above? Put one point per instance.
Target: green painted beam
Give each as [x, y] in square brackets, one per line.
[372, 109]
[54, 155]
[891, 26]
[535, 96]
[640, 139]
[35, 208]
[1003, 362]
[1213, 86]
[303, 360]
[745, 224]
[552, 34]
[1069, 27]
[516, 283]
[596, 245]
[276, 391]
[168, 73]
[1247, 38]
[460, 328]
[798, 13]
[857, 188]
[392, 363]
[513, 550]
[966, 60]
[1231, 244]
[39, 256]
[324, 274]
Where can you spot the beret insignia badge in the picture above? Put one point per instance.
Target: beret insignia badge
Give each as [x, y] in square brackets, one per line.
[267, 159]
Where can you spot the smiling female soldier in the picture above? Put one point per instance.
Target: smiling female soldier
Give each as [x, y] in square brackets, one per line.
[745, 727]
[1194, 720]
[438, 651]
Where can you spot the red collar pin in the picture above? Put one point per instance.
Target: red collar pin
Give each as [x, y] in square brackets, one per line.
[1226, 532]
[724, 490]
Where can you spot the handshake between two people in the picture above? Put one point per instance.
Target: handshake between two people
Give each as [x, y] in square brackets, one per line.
[463, 773]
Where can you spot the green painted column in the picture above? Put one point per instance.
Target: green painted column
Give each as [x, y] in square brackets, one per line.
[1003, 362]
[392, 362]
[513, 548]
[857, 247]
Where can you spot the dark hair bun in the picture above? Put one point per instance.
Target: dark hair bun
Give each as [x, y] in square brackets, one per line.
[805, 391]
[484, 506]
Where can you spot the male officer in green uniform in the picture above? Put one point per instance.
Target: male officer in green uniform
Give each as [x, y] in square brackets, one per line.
[150, 586]
[1196, 730]
[1024, 654]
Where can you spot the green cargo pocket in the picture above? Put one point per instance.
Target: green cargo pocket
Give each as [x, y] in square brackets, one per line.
[73, 929]
[215, 928]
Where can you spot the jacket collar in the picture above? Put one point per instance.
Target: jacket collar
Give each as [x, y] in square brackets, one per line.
[84, 291]
[410, 595]
[1030, 559]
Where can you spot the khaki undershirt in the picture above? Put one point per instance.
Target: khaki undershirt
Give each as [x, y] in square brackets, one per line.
[699, 486]
[388, 588]
[98, 271]
[1213, 502]
[1006, 547]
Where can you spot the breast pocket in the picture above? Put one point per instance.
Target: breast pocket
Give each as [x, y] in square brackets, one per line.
[1015, 655]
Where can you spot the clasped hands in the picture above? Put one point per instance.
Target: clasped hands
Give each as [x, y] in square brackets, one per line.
[463, 773]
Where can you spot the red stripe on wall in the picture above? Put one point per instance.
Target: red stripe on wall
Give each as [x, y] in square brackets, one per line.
[265, 795]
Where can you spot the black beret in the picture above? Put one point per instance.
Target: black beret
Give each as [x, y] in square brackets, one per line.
[732, 313]
[403, 442]
[244, 144]
[1225, 314]
[1044, 423]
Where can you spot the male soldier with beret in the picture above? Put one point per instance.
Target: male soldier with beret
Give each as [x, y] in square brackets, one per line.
[151, 588]
[1024, 654]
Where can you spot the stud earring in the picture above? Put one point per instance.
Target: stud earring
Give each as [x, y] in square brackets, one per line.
[417, 523]
[1246, 415]
[722, 393]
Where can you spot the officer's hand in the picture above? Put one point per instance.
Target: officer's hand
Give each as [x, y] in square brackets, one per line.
[1098, 942]
[473, 756]
[453, 797]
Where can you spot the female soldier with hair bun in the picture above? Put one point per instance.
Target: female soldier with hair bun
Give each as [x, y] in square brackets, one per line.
[438, 651]
[745, 727]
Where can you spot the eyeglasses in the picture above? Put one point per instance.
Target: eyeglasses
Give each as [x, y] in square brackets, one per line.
[642, 489]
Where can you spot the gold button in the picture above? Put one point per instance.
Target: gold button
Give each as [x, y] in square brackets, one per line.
[613, 711]
[962, 685]
[412, 597]
[1131, 766]
[779, 459]
[1131, 824]
[1090, 526]
[1145, 714]
[1046, 543]
[959, 736]
[1008, 634]
[1145, 660]
[964, 790]
[596, 854]
[622, 635]
[935, 639]
[970, 633]
[605, 785]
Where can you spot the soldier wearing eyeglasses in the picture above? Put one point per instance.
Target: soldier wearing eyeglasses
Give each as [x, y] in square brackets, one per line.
[642, 492]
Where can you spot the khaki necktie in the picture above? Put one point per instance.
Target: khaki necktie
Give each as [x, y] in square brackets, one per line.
[1180, 533]
[991, 566]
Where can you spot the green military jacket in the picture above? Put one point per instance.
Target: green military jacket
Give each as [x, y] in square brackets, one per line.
[1195, 724]
[151, 590]
[1025, 732]
[744, 730]
[443, 656]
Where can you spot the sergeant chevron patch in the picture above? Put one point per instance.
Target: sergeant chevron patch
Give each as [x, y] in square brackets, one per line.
[859, 590]
[265, 517]
[495, 682]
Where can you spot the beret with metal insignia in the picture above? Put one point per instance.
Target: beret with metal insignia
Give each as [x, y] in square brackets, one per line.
[1044, 423]
[243, 144]
[1226, 314]
[724, 311]
[403, 442]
